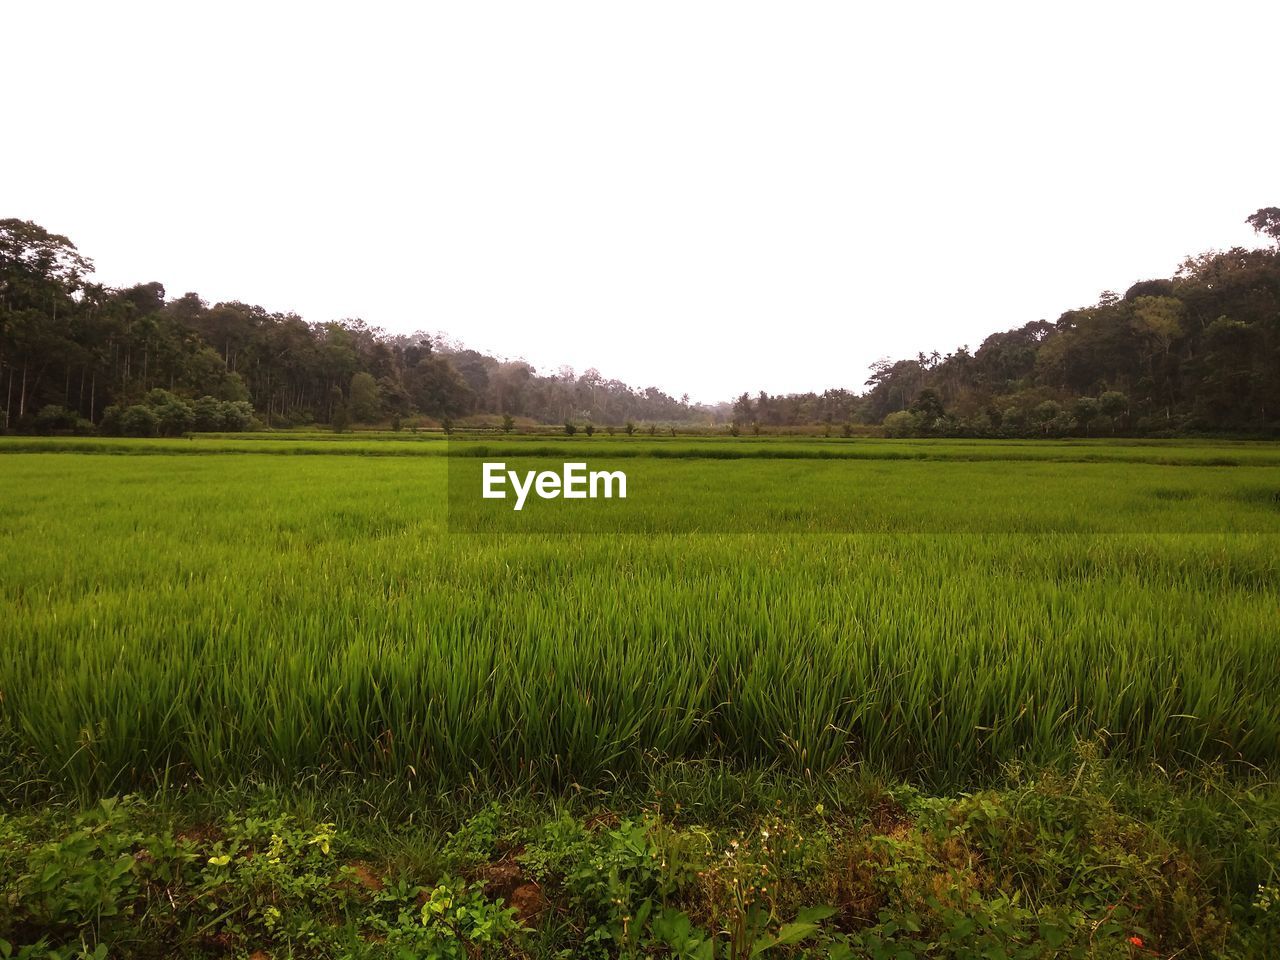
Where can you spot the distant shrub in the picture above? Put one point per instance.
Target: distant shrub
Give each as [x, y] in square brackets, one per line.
[341, 419]
[139, 421]
[208, 414]
[237, 415]
[901, 423]
[174, 417]
[53, 418]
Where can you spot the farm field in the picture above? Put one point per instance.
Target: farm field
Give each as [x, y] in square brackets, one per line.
[824, 623]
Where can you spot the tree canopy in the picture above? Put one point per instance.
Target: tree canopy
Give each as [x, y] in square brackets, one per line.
[1195, 352]
[77, 355]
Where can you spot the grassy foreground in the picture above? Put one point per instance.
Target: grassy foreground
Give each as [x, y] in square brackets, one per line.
[912, 639]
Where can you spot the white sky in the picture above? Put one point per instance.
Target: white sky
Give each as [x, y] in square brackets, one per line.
[710, 197]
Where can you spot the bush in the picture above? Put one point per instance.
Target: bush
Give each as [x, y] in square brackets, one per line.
[175, 417]
[237, 415]
[53, 418]
[208, 414]
[139, 421]
[110, 424]
[1047, 412]
[900, 424]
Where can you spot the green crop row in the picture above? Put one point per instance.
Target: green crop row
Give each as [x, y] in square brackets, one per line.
[169, 618]
[373, 444]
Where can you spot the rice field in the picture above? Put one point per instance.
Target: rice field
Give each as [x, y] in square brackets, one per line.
[933, 610]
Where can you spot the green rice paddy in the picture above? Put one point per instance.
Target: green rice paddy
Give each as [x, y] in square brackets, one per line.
[933, 610]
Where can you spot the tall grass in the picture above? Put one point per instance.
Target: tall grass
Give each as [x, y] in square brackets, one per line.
[221, 617]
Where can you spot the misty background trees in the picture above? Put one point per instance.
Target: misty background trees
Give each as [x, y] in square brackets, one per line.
[78, 355]
[1195, 352]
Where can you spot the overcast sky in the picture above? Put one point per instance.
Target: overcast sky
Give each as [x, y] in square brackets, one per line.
[710, 197]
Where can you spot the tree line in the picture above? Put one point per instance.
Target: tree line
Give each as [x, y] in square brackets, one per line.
[1196, 352]
[80, 356]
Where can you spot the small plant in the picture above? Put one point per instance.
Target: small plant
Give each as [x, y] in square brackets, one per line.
[455, 922]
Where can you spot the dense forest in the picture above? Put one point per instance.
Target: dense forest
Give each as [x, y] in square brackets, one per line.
[1197, 352]
[75, 355]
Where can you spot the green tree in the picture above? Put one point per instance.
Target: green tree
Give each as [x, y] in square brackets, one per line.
[900, 423]
[208, 414]
[927, 408]
[54, 418]
[139, 421]
[1115, 405]
[436, 387]
[237, 415]
[364, 398]
[1085, 410]
[41, 274]
[1046, 413]
[339, 413]
[174, 416]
